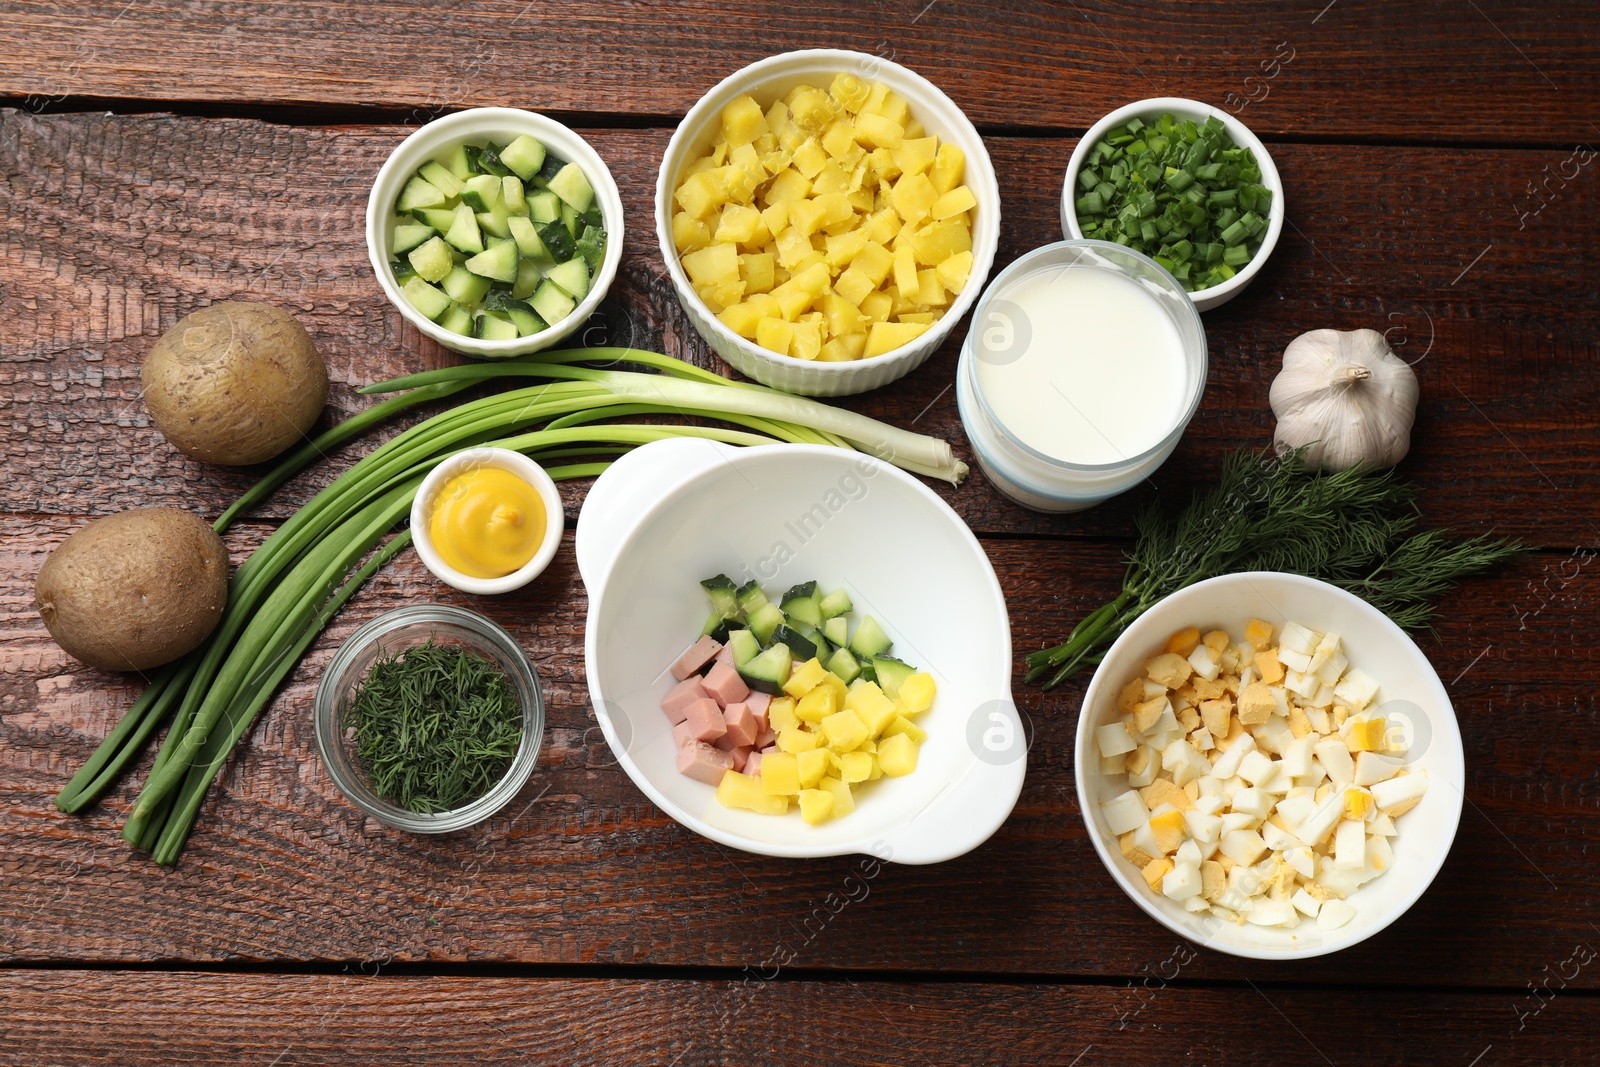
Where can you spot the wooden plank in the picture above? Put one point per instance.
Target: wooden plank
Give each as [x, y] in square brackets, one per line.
[582, 869]
[67, 1017]
[1363, 69]
[107, 237]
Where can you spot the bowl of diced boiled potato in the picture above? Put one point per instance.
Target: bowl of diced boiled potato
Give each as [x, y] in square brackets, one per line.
[826, 217]
[1269, 766]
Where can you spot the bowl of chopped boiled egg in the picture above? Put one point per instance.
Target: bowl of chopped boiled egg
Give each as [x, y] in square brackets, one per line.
[1269, 766]
[826, 217]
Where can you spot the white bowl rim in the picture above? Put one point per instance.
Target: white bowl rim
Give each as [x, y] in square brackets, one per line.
[958, 309]
[1448, 730]
[1242, 135]
[986, 828]
[522, 467]
[606, 195]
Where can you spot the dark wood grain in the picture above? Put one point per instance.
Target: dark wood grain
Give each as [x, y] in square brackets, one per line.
[582, 869]
[297, 1021]
[1360, 69]
[1498, 312]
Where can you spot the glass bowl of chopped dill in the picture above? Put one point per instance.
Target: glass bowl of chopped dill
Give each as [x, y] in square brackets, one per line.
[429, 718]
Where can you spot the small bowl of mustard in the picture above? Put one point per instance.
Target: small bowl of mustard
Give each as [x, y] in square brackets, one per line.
[487, 520]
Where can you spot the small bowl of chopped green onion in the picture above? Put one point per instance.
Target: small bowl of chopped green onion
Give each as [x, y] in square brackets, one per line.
[429, 718]
[1184, 183]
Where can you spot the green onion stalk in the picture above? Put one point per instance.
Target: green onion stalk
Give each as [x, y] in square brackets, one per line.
[286, 592]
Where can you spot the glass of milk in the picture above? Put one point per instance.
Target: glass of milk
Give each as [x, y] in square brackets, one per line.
[1084, 362]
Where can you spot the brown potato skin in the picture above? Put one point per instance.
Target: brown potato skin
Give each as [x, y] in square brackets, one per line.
[235, 383]
[134, 590]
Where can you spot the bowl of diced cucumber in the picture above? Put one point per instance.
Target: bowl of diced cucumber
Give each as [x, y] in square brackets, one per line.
[495, 231]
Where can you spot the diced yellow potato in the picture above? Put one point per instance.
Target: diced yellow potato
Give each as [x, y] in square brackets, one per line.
[719, 153]
[917, 692]
[701, 194]
[796, 740]
[811, 765]
[903, 725]
[848, 92]
[816, 805]
[721, 295]
[954, 202]
[876, 307]
[841, 315]
[818, 704]
[855, 766]
[811, 109]
[954, 272]
[843, 247]
[690, 233]
[835, 208]
[913, 196]
[854, 285]
[878, 131]
[882, 163]
[843, 802]
[883, 226]
[915, 155]
[843, 349]
[905, 268]
[834, 682]
[792, 302]
[915, 129]
[778, 117]
[832, 178]
[775, 334]
[746, 793]
[936, 243]
[888, 336]
[810, 158]
[806, 342]
[704, 163]
[765, 303]
[874, 261]
[897, 755]
[741, 318]
[743, 121]
[781, 713]
[930, 293]
[790, 185]
[780, 774]
[876, 95]
[805, 216]
[738, 224]
[744, 155]
[794, 247]
[756, 268]
[839, 140]
[949, 167]
[713, 264]
[844, 730]
[895, 108]
[804, 677]
[776, 217]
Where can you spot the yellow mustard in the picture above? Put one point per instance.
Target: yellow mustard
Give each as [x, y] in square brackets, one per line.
[487, 522]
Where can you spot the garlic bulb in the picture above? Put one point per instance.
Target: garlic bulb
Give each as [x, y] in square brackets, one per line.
[1347, 396]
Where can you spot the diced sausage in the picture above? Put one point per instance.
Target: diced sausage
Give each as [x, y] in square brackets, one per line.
[679, 697]
[742, 724]
[752, 765]
[704, 720]
[682, 735]
[703, 763]
[700, 653]
[725, 685]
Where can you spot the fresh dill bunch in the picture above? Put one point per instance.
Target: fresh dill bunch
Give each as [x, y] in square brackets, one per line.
[435, 726]
[1356, 529]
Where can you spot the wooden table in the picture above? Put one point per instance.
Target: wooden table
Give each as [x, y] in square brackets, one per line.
[158, 155]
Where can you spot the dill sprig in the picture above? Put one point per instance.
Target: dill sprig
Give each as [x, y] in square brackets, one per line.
[435, 727]
[1355, 529]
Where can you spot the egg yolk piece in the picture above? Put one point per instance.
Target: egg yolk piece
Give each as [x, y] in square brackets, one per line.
[487, 523]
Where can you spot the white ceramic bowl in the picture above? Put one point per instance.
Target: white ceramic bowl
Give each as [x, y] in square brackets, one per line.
[1409, 691]
[767, 80]
[472, 459]
[671, 513]
[478, 126]
[1217, 295]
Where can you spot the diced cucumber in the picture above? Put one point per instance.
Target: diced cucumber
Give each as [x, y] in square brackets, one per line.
[496, 223]
[524, 156]
[837, 630]
[409, 235]
[529, 278]
[550, 302]
[802, 602]
[493, 326]
[438, 219]
[723, 594]
[812, 634]
[512, 196]
[802, 646]
[456, 162]
[764, 620]
[751, 597]
[527, 322]
[891, 674]
[489, 161]
[544, 206]
[482, 192]
[717, 626]
[552, 167]
[836, 603]
[425, 298]
[572, 276]
[457, 319]
[560, 243]
[463, 232]
[591, 247]
[465, 287]
[569, 220]
[870, 640]
[744, 646]
[419, 192]
[431, 259]
[402, 271]
[591, 218]
[527, 237]
[843, 664]
[498, 262]
[766, 672]
[867, 673]
[573, 187]
[440, 178]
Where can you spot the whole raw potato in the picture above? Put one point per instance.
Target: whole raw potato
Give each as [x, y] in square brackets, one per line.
[235, 383]
[135, 590]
